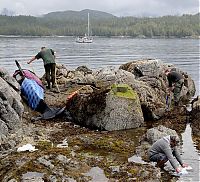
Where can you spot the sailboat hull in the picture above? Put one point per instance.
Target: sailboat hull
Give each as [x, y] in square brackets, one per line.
[84, 40]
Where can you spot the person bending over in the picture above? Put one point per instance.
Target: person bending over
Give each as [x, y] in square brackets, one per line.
[165, 149]
[48, 57]
[176, 81]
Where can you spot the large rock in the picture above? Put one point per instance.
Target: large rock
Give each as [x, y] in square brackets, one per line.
[84, 70]
[116, 110]
[152, 99]
[149, 67]
[150, 91]
[145, 69]
[146, 77]
[110, 75]
[80, 75]
[122, 111]
[3, 131]
[9, 79]
[11, 108]
[188, 88]
[157, 133]
[153, 89]
[196, 104]
[195, 115]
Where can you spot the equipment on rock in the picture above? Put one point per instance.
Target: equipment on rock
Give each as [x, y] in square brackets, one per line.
[33, 91]
[72, 95]
[49, 113]
[26, 74]
[56, 82]
[168, 102]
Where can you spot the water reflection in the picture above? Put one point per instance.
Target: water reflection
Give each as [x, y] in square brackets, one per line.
[190, 156]
[97, 174]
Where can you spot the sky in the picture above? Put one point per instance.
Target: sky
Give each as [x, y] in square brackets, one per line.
[115, 7]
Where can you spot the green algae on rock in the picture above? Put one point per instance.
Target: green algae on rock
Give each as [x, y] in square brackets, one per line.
[124, 90]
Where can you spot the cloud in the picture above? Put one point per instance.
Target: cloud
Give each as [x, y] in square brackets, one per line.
[116, 7]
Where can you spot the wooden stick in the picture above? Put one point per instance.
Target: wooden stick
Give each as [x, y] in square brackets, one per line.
[56, 81]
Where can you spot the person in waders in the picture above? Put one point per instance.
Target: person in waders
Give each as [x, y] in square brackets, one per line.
[165, 149]
[48, 57]
[176, 81]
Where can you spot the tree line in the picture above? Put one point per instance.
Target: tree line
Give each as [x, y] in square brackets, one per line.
[166, 26]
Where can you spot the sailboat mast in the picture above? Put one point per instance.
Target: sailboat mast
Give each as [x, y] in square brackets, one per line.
[88, 25]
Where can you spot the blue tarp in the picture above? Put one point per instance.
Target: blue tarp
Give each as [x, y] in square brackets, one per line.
[33, 92]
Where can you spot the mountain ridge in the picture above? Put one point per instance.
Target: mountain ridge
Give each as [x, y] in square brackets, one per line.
[81, 15]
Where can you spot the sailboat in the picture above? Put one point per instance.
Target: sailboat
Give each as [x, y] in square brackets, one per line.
[86, 38]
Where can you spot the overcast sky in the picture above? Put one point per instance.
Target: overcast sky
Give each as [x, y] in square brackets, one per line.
[115, 7]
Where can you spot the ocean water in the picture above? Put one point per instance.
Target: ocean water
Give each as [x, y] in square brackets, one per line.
[184, 53]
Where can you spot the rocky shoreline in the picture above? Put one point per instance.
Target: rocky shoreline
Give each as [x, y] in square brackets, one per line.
[110, 119]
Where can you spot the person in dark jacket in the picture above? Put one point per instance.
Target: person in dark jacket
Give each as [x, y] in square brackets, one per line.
[48, 56]
[165, 149]
[176, 81]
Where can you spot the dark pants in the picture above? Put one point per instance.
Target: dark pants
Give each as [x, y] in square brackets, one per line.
[50, 70]
[177, 90]
[160, 158]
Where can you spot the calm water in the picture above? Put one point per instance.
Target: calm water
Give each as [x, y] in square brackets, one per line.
[184, 53]
[190, 156]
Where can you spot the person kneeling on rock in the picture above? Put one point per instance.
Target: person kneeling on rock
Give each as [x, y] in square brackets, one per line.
[165, 149]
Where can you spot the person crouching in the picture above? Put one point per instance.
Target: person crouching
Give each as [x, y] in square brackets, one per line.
[165, 149]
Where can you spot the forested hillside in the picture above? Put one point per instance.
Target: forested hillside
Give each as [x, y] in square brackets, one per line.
[72, 23]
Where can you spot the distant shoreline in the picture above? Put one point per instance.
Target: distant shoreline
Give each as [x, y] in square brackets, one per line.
[123, 37]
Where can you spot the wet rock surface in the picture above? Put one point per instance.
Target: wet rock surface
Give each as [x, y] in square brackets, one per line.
[157, 133]
[195, 115]
[68, 151]
[85, 151]
[110, 109]
[151, 85]
[11, 109]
